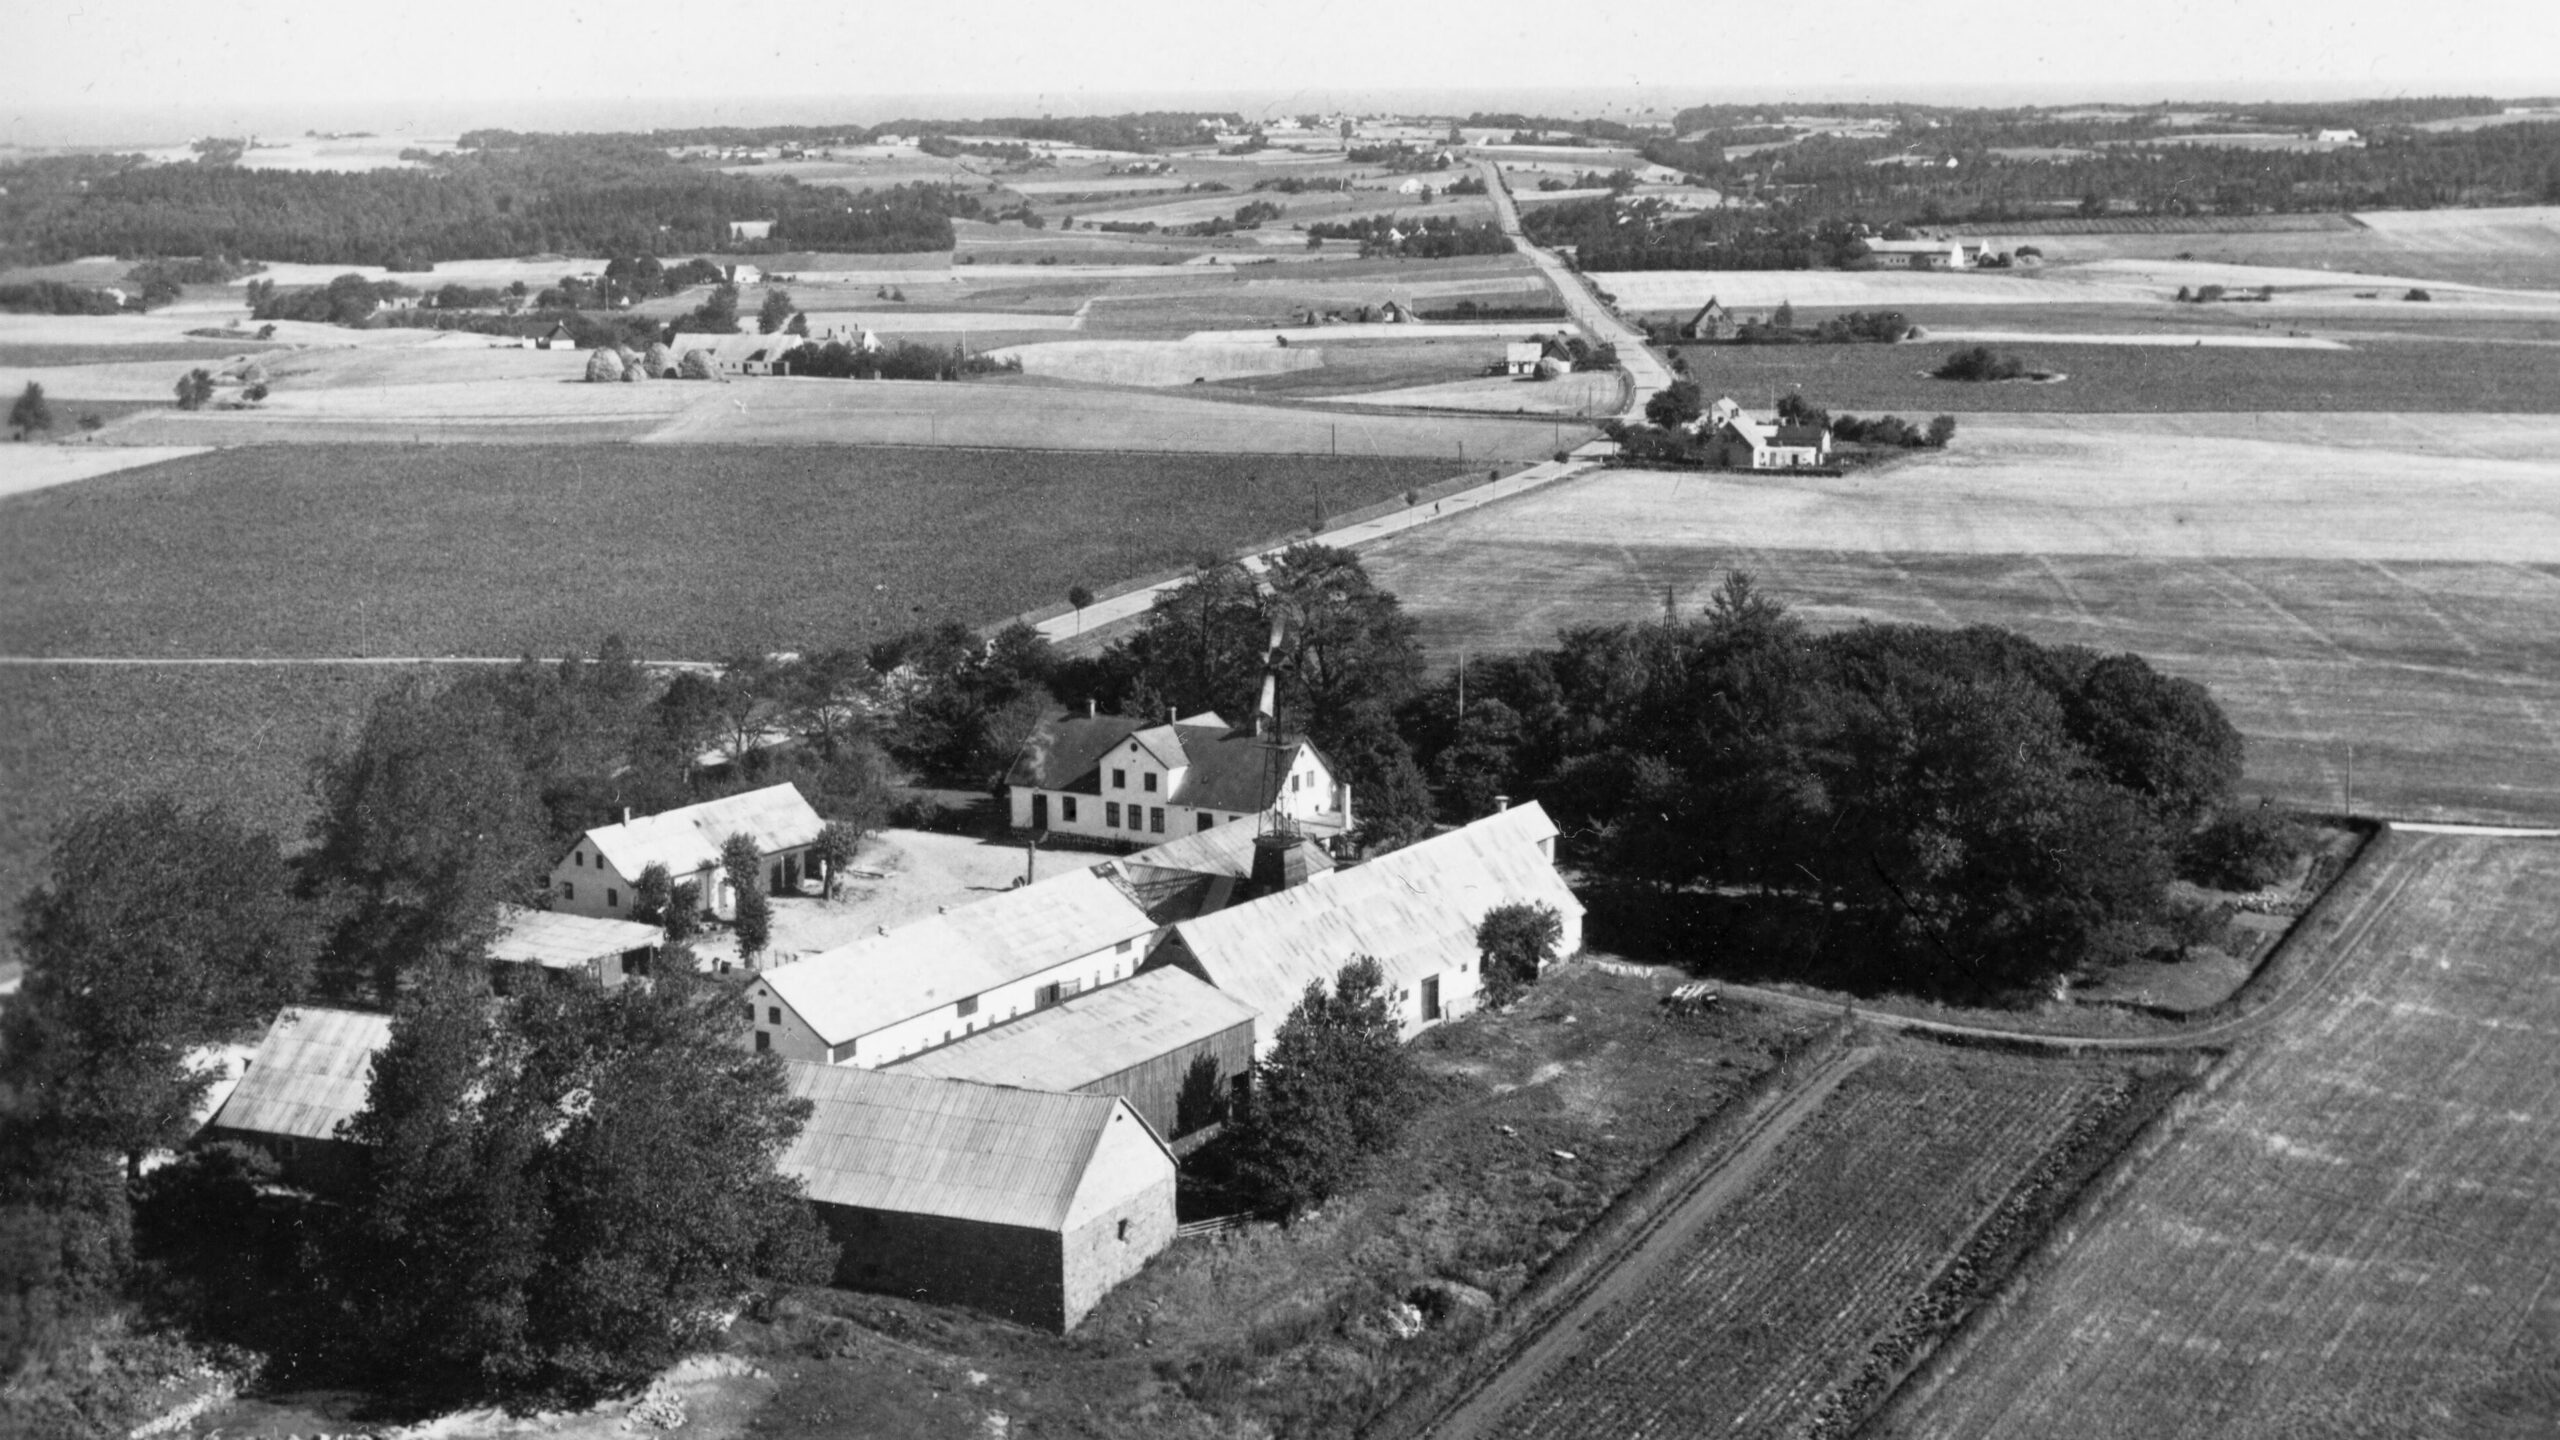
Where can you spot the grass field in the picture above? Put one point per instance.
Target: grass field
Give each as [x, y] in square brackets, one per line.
[2405, 611]
[1771, 1325]
[2412, 374]
[2352, 1236]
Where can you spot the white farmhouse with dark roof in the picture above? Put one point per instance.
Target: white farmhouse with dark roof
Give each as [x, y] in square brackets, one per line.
[1111, 777]
[597, 875]
[1414, 911]
[948, 976]
[1028, 1204]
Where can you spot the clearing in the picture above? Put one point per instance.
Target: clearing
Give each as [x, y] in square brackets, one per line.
[2352, 1234]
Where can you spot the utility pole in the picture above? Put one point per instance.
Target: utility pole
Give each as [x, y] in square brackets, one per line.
[2351, 780]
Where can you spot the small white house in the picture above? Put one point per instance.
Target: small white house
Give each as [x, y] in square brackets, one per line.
[1111, 777]
[1520, 359]
[598, 874]
[750, 230]
[2337, 137]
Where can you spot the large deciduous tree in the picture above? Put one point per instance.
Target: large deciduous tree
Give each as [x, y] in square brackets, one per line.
[1331, 1095]
[1514, 943]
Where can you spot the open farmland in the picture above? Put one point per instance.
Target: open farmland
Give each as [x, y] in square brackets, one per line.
[1769, 1319]
[2353, 1234]
[2390, 584]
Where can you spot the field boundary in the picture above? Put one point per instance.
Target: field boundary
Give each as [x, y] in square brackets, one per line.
[1638, 1212]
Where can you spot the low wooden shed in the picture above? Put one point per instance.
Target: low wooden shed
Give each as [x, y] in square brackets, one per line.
[311, 1073]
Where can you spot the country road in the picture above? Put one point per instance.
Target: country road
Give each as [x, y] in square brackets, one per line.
[1645, 370]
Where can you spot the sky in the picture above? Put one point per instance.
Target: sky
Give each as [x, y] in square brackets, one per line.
[145, 57]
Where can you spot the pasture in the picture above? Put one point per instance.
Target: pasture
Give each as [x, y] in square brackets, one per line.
[2351, 1233]
[2367, 585]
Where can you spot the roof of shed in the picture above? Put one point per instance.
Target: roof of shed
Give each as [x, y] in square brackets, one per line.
[311, 1071]
[1092, 1037]
[559, 941]
[883, 1140]
[855, 989]
[1414, 911]
[688, 838]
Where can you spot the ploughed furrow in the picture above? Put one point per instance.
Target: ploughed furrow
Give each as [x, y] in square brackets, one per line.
[2358, 1234]
[1793, 1284]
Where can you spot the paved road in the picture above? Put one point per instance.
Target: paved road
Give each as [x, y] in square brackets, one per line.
[1672, 1234]
[1645, 370]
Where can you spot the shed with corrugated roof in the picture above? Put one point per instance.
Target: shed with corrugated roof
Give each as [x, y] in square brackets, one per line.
[310, 1075]
[1169, 1044]
[1028, 1204]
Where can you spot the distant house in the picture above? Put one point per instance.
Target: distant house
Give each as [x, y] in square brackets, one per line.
[1736, 440]
[556, 338]
[597, 875]
[1111, 777]
[1916, 254]
[604, 952]
[1171, 1046]
[742, 274]
[311, 1074]
[1396, 312]
[750, 230]
[2337, 137]
[1414, 911]
[1022, 1203]
[951, 975]
[1712, 322]
[1412, 185]
[1520, 359]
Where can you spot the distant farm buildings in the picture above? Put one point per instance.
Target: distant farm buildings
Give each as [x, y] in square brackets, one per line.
[1520, 359]
[1712, 322]
[1111, 777]
[598, 874]
[750, 230]
[1735, 440]
[1916, 254]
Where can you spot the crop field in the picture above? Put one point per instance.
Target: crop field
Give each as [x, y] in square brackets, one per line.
[2405, 612]
[36, 467]
[2400, 374]
[2097, 279]
[2353, 1234]
[1771, 1325]
[1588, 393]
[1156, 362]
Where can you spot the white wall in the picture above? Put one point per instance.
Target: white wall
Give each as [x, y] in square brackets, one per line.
[792, 1036]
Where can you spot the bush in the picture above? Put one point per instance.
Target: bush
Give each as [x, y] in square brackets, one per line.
[2244, 849]
[1978, 363]
[2417, 295]
[1516, 942]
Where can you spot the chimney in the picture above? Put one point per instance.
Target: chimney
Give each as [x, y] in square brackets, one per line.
[1092, 708]
[626, 814]
[1501, 803]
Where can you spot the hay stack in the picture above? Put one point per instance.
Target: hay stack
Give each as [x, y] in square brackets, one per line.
[604, 365]
[696, 365]
[658, 360]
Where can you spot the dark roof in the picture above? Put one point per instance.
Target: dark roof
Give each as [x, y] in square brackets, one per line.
[1066, 754]
[1224, 768]
[1806, 435]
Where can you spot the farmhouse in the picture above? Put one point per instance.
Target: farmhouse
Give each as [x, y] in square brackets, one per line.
[1169, 1045]
[1736, 441]
[597, 875]
[548, 942]
[948, 976]
[310, 1074]
[1712, 322]
[1915, 254]
[1520, 359]
[1027, 1204]
[1396, 312]
[556, 338]
[1414, 911]
[2337, 137]
[1112, 777]
[1412, 186]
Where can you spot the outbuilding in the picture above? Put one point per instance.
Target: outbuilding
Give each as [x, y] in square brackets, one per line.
[1172, 1046]
[598, 875]
[586, 947]
[311, 1074]
[1023, 1203]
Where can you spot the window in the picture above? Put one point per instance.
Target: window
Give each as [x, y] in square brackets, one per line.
[1150, 779]
[578, 858]
[1111, 813]
[967, 1007]
[1208, 820]
[773, 1014]
[1067, 807]
[1155, 819]
[1044, 997]
[612, 897]
[1123, 947]
[751, 1012]
[568, 891]
[763, 1041]
[1119, 779]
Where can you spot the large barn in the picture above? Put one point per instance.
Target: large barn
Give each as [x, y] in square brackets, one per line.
[1414, 911]
[1023, 1203]
[1171, 1046]
[311, 1073]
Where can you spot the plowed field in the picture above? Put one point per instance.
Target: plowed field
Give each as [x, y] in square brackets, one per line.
[2356, 1235]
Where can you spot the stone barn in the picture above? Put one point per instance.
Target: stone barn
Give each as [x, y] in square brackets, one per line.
[1022, 1203]
[1167, 1043]
[311, 1072]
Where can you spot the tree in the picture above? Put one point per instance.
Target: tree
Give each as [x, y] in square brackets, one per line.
[566, 1193]
[1079, 597]
[717, 314]
[651, 894]
[1331, 1094]
[1515, 943]
[838, 844]
[31, 413]
[799, 324]
[1794, 409]
[1785, 318]
[776, 312]
[194, 389]
[1942, 429]
[155, 929]
[1676, 404]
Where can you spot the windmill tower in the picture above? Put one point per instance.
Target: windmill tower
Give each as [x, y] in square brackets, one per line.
[1282, 855]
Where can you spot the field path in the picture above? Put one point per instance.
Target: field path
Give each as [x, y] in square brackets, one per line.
[1645, 370]
[1675, 1232]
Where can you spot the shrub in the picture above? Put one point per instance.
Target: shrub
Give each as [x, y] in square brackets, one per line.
[2417, 295]
[2244, 849]
[1516, 942]
[1978, 363]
